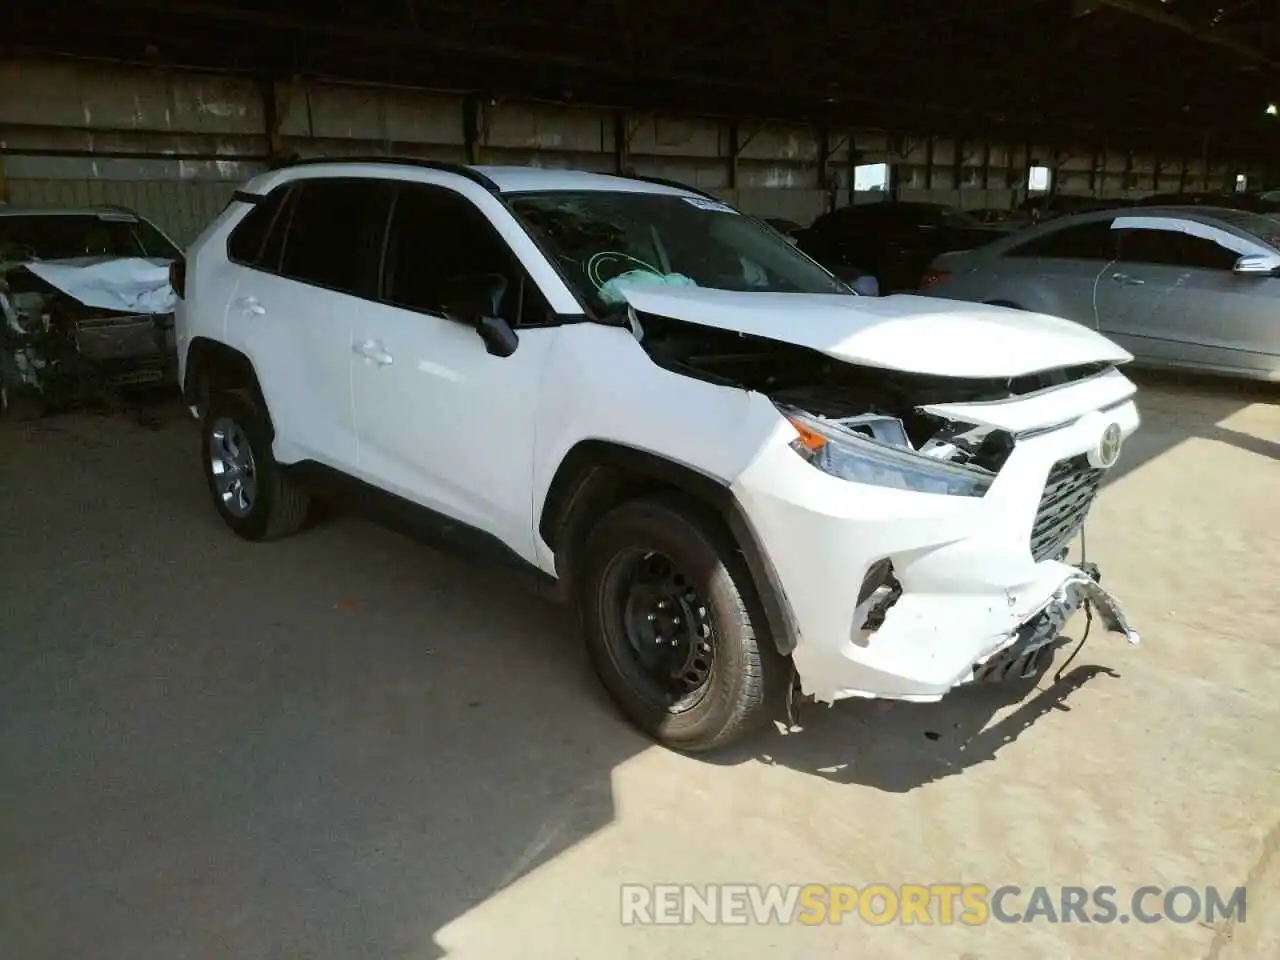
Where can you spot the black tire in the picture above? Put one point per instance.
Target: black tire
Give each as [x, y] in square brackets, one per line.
[747, 675]
[279, 507]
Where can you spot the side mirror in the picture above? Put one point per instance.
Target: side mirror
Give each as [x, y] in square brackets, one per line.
[476, 300]
[499, 339]
[1257, 265]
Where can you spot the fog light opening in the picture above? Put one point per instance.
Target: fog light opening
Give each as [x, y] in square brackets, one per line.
[880, 591]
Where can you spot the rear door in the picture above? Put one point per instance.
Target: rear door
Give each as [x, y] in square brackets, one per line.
[1199, 312]
[293, 312]
[1055, 272]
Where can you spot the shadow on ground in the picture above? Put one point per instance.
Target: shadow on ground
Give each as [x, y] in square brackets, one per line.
[335, 745]
[1178, 407]
[331, 746]
[897, 747]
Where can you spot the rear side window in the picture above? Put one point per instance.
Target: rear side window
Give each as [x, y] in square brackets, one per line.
[1086, 241]
[244, 245]
[335, 233]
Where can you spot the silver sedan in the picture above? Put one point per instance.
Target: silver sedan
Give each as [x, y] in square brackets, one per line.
[1195, 288]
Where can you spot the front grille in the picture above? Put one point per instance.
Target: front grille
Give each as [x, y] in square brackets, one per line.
[1068, 494]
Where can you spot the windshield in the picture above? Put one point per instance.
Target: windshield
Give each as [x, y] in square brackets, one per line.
[57, 236]
[1266, 227]
[602, 238]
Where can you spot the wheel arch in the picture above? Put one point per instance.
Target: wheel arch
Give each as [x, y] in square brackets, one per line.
[213, 364]
[597, 475]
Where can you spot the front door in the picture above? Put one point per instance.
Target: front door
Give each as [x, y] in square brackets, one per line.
[440, 421]
[1213, 317]
[1133, 291]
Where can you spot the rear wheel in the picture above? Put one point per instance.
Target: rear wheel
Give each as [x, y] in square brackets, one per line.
[250, 490]
[667, 607]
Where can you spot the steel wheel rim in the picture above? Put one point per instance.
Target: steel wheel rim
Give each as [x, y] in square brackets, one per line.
[664, 634]
[235, 475]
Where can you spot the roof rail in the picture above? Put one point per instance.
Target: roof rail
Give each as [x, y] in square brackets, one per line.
[444, 166]
[664, 182]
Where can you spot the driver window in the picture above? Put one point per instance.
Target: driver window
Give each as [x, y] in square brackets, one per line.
[436, 235]
[1174, 249]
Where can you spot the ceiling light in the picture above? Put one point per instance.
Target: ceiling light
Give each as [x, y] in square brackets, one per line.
[1272, 110]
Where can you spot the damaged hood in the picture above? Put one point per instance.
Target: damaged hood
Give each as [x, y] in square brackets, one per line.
[903, 332]
[124, 284]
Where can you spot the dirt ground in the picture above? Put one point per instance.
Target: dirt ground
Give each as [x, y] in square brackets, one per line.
[347, 745]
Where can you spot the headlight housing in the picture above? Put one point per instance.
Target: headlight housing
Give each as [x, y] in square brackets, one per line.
[834, 448]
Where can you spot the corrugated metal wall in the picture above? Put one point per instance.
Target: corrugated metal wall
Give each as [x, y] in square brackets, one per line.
[174, 145]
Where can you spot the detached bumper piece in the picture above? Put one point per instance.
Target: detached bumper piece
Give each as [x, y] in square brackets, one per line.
[1039, 636]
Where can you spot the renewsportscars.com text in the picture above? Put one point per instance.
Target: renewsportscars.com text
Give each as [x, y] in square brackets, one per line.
[939, 903]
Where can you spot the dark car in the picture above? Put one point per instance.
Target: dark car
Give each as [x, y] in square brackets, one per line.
[1047, 206]
[894, 241]
[1233, 200]
[788, 228]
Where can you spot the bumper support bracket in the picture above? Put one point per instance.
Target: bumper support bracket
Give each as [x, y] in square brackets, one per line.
[1041, 634]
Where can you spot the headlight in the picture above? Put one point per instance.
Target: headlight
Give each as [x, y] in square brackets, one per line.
[841, 452]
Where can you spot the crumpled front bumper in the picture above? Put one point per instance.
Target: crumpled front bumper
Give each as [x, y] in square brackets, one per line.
[968, 598]
[1042, 633]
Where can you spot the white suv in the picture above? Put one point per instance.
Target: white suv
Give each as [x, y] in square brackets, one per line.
[743, 472]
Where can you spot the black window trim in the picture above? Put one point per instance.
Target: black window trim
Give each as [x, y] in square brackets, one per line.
[281, 221]
[255, 199]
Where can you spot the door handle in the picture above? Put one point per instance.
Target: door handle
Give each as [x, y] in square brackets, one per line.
[250, 306]
[1126, 279]
[372, 350]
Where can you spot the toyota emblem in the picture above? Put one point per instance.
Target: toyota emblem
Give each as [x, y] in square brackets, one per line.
[1109, 446]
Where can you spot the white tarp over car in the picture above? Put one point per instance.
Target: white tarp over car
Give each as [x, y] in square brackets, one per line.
[126, 284]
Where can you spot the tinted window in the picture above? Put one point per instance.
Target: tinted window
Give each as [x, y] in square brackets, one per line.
[335, 232]
[244, 245]
[1174, 249]
[437, 236]
[1087, 241]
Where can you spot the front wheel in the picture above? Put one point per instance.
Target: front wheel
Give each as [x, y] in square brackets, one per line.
[667, 604]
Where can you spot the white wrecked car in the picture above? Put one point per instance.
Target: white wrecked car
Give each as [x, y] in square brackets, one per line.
[86, 301]
[740, 470]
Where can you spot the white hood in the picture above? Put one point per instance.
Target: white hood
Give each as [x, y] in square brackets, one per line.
[902, 332]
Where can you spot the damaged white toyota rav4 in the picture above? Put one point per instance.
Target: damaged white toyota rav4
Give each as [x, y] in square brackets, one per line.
[745, 475]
